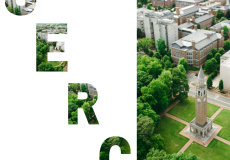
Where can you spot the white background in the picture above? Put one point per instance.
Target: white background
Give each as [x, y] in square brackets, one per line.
[101, 49]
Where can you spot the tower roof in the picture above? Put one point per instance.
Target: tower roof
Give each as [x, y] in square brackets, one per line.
[201, 74]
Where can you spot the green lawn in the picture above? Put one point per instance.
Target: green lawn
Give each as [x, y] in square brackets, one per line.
[216, 150]
[186, 109]
[55, 63]
[222, 119]
[169, 129]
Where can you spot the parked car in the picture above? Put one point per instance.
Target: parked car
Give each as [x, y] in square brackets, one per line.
[196, 74]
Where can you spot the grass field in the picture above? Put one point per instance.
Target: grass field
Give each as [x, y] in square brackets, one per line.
[216, 150]
[55, 63]
[185, 109]
[222, 119]
[169, 129]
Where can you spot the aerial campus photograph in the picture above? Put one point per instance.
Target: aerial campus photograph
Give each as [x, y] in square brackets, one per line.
[15, 9]
[183, 86]
[43, 46]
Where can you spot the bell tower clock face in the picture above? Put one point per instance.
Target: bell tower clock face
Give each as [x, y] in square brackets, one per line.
[198, 100]
[204, 99]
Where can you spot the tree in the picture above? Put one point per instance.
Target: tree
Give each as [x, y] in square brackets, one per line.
[16, 11]
[219, 14]
[209, 65]
[180, 85]
[168, 64]
[157, 55]
[158, 7]
[145, 44]
[144, 1]
[143, 79]
[209, 56]
[174, 5]
[156, 154]
[227, 14]
[166, 77]
[139, 5]
[226, 31]
[161, 47]
[10, 9]
[206, 28]
[156, 95]
[217, 57]
[213, 21]
[184, 62]
[214, 51]
[150, 53]
[222, 19]
[140, 34]
[209, 82]
[74, 87]
[145, 109]
[221, 51]
[149, 6]
[214, 61]
[181, 68]
[83, 88]
[145, 127]
[227, 45]
[221, 85]
[198, 26]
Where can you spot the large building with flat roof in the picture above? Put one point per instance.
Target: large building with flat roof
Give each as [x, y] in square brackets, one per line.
[224, 70]
[157, 25]
[196, 46]
[185, 3]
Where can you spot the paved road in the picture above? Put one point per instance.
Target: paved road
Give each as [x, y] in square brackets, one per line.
[215, 98]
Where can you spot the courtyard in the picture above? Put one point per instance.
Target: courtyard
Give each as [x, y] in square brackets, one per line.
[176, 120]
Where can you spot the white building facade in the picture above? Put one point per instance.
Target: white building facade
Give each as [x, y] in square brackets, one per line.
[225, 70]
[157, 25]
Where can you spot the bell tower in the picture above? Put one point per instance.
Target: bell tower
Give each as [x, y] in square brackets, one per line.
[201, 100]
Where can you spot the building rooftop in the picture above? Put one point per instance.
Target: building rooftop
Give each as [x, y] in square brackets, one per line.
[201, 74]
[199, 37]
[187, 10]
[186, 25]
[221, 24]
[225, 59]
[203, 18]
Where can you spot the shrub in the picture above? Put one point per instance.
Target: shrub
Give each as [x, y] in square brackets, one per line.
[150, 53]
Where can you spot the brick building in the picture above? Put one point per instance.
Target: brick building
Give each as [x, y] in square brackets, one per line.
[195, 47]
[218, 27]
[181, 14]
[185, 3]
[168, 3]
[205, 20]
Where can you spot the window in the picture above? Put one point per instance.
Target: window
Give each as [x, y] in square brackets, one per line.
[198, 92]
[204, 92]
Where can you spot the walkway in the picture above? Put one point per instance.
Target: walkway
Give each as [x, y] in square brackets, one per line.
[191, 139]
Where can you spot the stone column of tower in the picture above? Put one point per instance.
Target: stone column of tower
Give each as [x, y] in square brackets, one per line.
[227, 3]
[201, 100]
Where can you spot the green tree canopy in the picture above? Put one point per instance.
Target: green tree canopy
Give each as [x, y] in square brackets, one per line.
[227, 14]
[156, 95]
[145, 44]
[217, 57]
[221, 85]
[161, 47]
[226, 31]
[221, 51]
[209, 56]
[198, 26]
[219, 14]
[209, 82]
[227, 45]
[184, 62]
